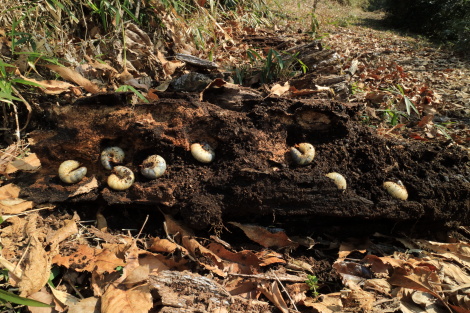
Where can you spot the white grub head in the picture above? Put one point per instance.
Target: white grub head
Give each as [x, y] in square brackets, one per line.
[303, 153]
[70, 172]
[396, 190]
[122, 178]
[153, 167]
[111, 155]
[203, 152]
[338, 179]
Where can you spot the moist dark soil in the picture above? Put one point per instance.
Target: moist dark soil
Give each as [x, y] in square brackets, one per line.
[253, 178]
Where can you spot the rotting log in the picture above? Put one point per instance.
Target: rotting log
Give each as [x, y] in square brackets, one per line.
[253, 177]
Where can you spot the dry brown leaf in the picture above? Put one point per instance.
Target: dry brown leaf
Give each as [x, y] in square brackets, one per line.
[158, 262]
[30, 163]
[265, 237]
[163, 245]
[61, 234]
[461, 248]
[358, 298]
[51, 87]
[100, 282]
[176, 229]
[87, 305]
[421, 279]
[85, 188]
[451, 273]
[9, 191]
[37, 269]
[117, 299]
[326, 303]
[74, 76]
[64, 298]
[12, 269]
[169, 67]
[104, 67]
[245, 262]
[273, 293]
[204, 256]
[90, 259]
[137, 38]
[14, 206]
[152, 94]
[352, 244]
[279, 90]
[132, 262]
[268, 257]
[382, 264]
[240, 285]
[7, 155]
[378, 285]
[45, 297]
[297, 291]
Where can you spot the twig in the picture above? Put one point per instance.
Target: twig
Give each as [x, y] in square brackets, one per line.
[23, 255]
[17, 133]
[285, 290]
[28, 212]
[74, 288]
[294, 279]
[28, 107]
[137, 9]
[142, 228]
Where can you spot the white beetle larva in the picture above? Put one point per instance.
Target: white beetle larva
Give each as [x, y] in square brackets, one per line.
[202, 152]
[121, 179]
[338, 179]
[153, 167]
[303, 153]
[396, 190]
[111, 154]
[70, 173]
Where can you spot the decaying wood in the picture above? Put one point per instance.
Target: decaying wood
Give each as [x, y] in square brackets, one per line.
[253, 176]
[195, 61]
[190, 292]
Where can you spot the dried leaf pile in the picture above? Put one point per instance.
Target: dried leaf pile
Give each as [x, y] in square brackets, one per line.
[184, 273]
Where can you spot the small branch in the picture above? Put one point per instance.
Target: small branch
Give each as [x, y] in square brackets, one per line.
[28, 107]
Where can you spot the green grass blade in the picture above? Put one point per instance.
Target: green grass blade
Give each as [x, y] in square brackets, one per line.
[7, 96]
[130, 88]
[410, 105]
[24, 82]
[5, 64]
[11, 297]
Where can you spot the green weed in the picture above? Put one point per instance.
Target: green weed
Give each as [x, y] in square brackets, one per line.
[443, 130]
[355, 89]
[392, 116]
[398, 90]
[274, 67]
[312, 282]
[135, 91]
[113, 12]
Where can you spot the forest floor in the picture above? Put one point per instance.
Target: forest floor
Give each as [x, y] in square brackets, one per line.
[251, 230]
